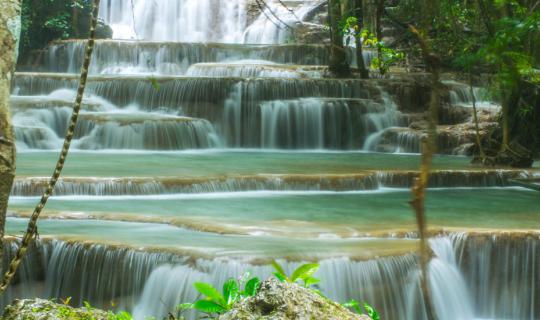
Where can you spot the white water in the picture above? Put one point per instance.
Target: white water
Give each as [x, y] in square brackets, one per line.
[110, 128]
[286, 109]
[154, 283]
[176, 20]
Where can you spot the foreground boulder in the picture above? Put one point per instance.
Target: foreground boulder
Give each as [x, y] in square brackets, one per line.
[39, 309]
[283, 301]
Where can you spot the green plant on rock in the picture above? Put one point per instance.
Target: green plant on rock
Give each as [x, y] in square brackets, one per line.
[369, 310]
[350, 28]
[303, 273]
[216, 302]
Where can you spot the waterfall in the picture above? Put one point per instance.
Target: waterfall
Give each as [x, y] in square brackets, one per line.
[26, 187]
[253, 69]
[171, 58]
[499, 283]
[317, 124]
[502, 274]
[40, 125]
[174, 20]
[460, 95]
[382, 121]
[274, 23]
[449, 292]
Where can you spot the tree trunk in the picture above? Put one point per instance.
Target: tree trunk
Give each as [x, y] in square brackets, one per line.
[359, 12]
[31, 229]
[429, 148]
[339, 62]
[378, 31]
[10, 26]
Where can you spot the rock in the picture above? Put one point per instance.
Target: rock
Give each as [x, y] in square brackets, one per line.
[309, 33]
[277, 300]
[39, 309]
[515, 155]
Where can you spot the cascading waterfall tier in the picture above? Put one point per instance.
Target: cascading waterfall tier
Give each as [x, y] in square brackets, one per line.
[25, 187]
[171, 58]
[339, 114]
[500, 281]
[40, 126]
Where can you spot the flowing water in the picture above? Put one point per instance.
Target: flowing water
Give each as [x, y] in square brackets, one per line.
[208, 146]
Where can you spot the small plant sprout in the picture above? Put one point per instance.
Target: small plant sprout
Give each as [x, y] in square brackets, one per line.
[368, 309]
[216, 302]
[304, 273]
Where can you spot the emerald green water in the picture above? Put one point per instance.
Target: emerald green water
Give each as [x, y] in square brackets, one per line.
[214, 163]
[203, 244]
[297, 214]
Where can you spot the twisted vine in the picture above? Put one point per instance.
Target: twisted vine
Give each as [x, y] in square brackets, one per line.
[32, 224]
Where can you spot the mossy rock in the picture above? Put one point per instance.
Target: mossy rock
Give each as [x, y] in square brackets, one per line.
[39, 309]
[277, 300]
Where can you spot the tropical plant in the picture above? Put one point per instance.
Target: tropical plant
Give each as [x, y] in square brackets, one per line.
[354, 305]
[303, 273]
[350, 29]
[215, 302]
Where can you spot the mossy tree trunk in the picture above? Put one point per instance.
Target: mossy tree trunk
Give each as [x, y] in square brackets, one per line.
[31, 229]
[10, 26]
[339, 62]
[359, 13]
[378, 29]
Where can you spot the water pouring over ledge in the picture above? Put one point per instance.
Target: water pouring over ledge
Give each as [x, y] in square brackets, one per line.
[249, 107]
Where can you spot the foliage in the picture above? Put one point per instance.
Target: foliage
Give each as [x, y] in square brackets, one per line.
[64, 311]
[216, 302]
[303, 273]
[43, 21]
[350, 29]
[355, 306]
[46, 20]
[499, 38]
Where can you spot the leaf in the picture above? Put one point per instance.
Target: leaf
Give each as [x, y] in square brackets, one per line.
[280, 277]
[252, 286]
[374, 315]
[230, 291]
[311, 281]
[279, 270]
[304, 271]
[354, 305]
[208, 307]
[209, 291]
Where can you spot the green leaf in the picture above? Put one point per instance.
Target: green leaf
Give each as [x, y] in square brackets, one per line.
[374, 315]
[279, 270]
[230, 291]
[209, 291]
[280, 277]
[354, 305]
[311, 281]
[252, 286]
[208, 307]
[304, 271]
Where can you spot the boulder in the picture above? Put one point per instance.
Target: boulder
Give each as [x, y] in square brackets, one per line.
[277, 300]
[39, 309]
